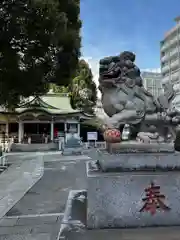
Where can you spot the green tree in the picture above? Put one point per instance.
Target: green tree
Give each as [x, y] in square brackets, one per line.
[58, 89]
[83, 91]
[39, 44]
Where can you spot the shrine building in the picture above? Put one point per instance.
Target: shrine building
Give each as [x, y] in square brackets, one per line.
[50, 115]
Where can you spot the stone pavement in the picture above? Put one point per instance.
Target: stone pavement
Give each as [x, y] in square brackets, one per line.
[73, 226]
[40, 236]
[30, 227]
[38, 215]
[17, 180]
[51, 156]
[50, 193]
[46, 199]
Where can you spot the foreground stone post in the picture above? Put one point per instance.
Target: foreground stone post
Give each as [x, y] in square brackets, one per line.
[133, 190]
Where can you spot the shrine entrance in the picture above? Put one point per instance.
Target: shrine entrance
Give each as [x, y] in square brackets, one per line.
[37, 128]
[37, 132]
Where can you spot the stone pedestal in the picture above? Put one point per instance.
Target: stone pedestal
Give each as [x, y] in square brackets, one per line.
[72, 146]
[134, 190]
[73, 225]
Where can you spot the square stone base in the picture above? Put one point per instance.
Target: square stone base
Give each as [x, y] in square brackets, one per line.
[73, 225]
[168, 233]
[72, 151]
[118, 199]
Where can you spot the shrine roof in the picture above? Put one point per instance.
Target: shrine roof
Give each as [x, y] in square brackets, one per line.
[51, 103]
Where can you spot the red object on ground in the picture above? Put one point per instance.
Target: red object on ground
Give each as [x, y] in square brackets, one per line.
[112, 135]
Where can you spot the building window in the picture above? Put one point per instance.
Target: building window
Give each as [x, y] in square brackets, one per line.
[162, 43]
[164, 64]
[174, 58]
[163, 54]
[166, 74]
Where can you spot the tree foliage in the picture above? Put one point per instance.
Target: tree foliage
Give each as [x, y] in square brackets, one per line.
[39, 44]
[83, 91]
[58, 89]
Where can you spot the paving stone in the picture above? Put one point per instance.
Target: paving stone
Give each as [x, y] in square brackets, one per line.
[17, 180]
[15, 230]
[50, 193]
[37, 220]
[3, 237]
[47, 196]
[50, 156]
[44, 229]
[8, 222]
[26, 237]
[33, 227]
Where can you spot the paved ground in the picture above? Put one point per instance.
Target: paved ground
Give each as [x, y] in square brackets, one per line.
[47, 157]
[38, 214]
[45, 227]
[50, 194]
[17, 180]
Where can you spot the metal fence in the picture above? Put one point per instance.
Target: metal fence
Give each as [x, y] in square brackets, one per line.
[99, 145]
[3, 160]
[5, 144]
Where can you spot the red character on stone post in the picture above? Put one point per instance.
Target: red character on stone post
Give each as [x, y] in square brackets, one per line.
[153, 200]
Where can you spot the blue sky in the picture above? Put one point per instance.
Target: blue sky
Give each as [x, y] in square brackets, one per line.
[111, 26]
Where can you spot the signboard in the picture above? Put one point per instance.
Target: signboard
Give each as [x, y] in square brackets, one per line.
[92, 136]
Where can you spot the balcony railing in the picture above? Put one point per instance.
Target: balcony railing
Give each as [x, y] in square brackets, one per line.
[175, 76]
[169, 43]
[165, 68]
[173, 53]
[175, 65]
[165, 58]
[166, 79]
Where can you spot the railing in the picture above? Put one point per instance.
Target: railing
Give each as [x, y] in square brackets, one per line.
[3, 160]
[99, 145]
[5, 144]
[36, 138]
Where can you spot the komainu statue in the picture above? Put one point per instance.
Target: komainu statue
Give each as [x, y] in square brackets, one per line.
[126, 101]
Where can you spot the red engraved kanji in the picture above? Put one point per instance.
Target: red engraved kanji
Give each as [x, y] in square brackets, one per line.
[153, 200]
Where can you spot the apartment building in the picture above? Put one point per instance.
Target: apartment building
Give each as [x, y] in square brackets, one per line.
[170, 56]
[152, 82]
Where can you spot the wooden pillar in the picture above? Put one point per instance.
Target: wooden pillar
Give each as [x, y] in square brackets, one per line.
[7, 129]
[78, 127]
[52, 130]
[65, 130]
[20, 132]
